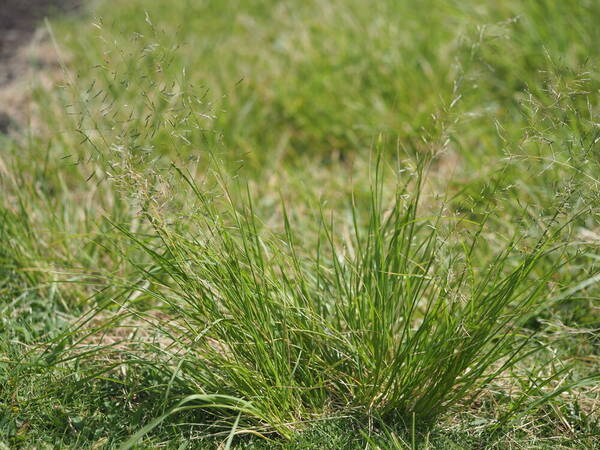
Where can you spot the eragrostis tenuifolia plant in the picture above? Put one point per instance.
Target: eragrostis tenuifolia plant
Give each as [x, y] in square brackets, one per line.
[381, 309]
[382, 316]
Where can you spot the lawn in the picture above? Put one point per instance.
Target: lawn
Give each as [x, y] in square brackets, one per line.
[319, 224]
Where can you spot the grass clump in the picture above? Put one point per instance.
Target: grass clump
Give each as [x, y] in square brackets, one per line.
[383, 316]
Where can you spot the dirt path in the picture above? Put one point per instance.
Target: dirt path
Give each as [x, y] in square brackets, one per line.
[18, 21]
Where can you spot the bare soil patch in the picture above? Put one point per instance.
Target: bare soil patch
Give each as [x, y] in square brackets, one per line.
[19, 20]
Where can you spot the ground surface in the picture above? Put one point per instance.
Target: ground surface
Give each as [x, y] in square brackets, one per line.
[19, 20]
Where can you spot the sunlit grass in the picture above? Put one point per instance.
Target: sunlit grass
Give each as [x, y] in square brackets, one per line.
[267, 217]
